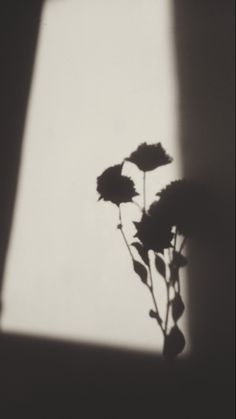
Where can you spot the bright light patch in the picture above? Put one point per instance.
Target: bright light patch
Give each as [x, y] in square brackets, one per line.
[104, 82]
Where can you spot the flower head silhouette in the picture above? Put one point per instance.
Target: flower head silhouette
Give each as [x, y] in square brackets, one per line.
[154, 230]
[114, 187]
[181, 202]
[149, 157]
[178, 211]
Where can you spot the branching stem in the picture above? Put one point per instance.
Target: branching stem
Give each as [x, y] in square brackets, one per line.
[120, 227]
[144, 192]
[167, 306]
[149, 286]
[151, 289]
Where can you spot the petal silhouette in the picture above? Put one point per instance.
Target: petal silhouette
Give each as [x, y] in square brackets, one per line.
[185, 206]
[114, 187]
[148, 157]
[153, 233]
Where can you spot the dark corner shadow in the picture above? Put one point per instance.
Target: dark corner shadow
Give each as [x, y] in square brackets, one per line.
[53, 378]
[19, 25]
[204, 42]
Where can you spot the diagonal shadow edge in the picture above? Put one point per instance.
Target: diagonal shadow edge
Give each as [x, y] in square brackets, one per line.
[19, 27]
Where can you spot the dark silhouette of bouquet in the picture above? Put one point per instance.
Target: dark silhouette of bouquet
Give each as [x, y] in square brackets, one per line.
[160, 235]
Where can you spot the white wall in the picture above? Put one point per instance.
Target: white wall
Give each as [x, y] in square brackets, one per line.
[104, 82]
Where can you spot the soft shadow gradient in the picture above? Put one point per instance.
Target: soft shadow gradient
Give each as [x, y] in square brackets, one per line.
[204, 37]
